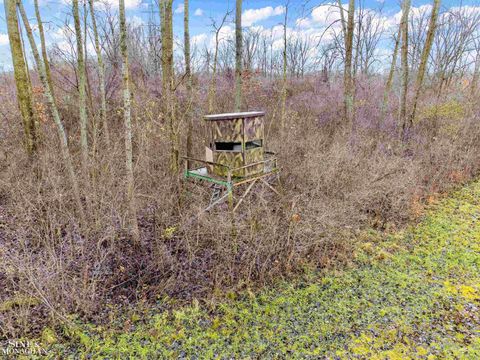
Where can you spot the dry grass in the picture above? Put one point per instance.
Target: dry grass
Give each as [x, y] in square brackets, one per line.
[335, 180]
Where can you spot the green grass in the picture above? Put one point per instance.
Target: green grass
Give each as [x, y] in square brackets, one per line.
[414, 294]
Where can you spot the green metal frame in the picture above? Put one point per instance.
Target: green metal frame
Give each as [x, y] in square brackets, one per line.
[230, 181]
[190, 174]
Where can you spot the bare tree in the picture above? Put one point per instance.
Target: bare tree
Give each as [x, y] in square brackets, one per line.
[82, 104]
[251, 40]
[111, 39]
[162, 4]
[455, 37]
[404, 59]
[285, 64]
[423, 62]
[226, 57]
[154, 40]
[329, 53]
[101, 74]
[342, 17]
[207, 54]
[66, 55]
[88, 89]
[476, 70]
[186, 42]
[188, 74]
[217, 28]
[388, 85]
[348, 80]
[265, 43]
[298, 49]
[238, 56]
[43, 46]
[22, 80]
[67, 160]
[168, 79]
[370, 29]
[417, 32]
[130, 190]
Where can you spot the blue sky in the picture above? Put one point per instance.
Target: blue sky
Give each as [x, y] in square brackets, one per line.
[260, 13]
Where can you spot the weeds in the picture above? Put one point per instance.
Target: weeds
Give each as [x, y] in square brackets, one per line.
[335, 182]
[413, 294]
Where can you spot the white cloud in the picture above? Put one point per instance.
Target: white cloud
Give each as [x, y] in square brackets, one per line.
[277, 32]
[418, 11]
[180, 9]
[251, 16]
[393, 21]
[208, 39]
[129, 4]
[198, 12]
[61, 33]
[322, 23]
[326, 14]
[4, 39]
[303, 22]
[199, 39]
[227, 32]
[468, 9]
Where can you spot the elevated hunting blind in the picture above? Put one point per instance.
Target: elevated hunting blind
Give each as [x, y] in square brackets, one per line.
[236, 141]
[235, 156]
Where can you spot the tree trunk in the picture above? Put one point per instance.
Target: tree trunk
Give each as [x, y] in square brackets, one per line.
[404, 60]
[388, 85]
[342, 20]
[188, 76]
[130, 186]
[348, 83]
[424, 60]
[82, 104]
[213, 85]
[356, 61]
[284, 83]
[168, 80]
[88, 89]
[43, 46]
[162, 4]
[238, 56]
[101, 75]
[476, 71]
[186, 32]
[22, 81]
[67, 160]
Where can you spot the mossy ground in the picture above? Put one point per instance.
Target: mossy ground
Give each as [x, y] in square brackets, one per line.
[414, 294]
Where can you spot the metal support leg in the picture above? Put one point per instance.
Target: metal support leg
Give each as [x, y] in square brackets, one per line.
[218, 201]
[244, 195]
[270, 186]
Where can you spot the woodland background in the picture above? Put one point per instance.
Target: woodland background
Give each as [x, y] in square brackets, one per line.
[94, 215]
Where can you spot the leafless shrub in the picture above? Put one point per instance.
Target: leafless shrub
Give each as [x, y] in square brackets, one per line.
[334, 182]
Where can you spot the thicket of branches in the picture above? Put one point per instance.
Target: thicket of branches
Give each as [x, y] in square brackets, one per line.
[93, 211]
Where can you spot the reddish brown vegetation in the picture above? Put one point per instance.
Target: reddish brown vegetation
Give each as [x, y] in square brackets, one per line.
[334, 182]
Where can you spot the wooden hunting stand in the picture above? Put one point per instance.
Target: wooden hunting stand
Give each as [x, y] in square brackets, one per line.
[236, 156]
